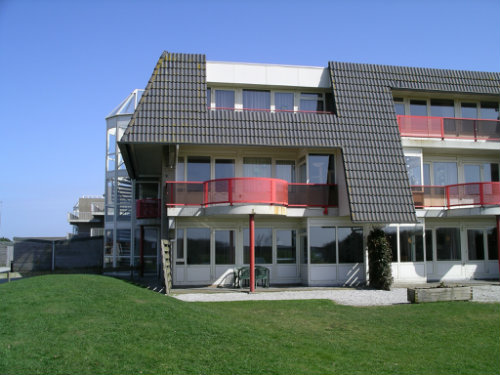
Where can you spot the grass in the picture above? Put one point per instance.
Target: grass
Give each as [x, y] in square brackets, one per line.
[89, 324]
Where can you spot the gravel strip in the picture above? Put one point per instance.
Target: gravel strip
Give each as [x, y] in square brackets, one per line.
[351, 297]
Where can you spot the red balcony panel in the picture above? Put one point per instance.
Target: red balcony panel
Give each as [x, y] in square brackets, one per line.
[447, 127]
[185, 193]
[246, 190]
[147, 208]
[312, 195]
[470, 194]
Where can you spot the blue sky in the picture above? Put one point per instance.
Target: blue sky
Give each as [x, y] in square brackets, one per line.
[64, 65]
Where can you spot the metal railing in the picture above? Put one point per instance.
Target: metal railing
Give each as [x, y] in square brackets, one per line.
[252, 190]
[449, 127]
[457, 195]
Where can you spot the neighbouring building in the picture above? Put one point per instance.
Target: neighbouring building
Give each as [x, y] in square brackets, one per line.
[313, 158]
[87, 217]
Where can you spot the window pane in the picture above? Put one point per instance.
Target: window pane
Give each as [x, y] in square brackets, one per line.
[198, 245]
[224, 168]
[123, 242]
[322, 244]
[469, 110]
[198, 168]
[285, 246]
[263, 246]
[475, 244]
[285, 170]
[399, 108]
[283, 101]
[427, 174]
[180, 243]
[448, 244]
[209, 97]
[254, 99]
[321, 169]
[224, 99]
[411, 244]
[490, 172]
[445, 173]
[489, 110]
[179, 172]
[442, 108]
[392, 237]
[418, 107]
[472, 173]
[428, 244]
[257, 167]
[492, 243]
[414, 171]
[303, 245]
[350, 244]
[311, 102]
[224, 246]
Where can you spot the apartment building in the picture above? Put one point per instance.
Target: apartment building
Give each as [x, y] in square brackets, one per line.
[299, 164]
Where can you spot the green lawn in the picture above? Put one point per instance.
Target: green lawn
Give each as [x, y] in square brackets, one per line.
[87, 324]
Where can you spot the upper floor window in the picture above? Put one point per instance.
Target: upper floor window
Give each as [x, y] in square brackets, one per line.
[283, 101]
[311, 102]
[442, 108]
[224, 99]
[257, 100]
[399, 106]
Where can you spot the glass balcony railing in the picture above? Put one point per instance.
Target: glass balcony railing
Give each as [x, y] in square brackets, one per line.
[459, 195]
[251, 190]
[449, 128]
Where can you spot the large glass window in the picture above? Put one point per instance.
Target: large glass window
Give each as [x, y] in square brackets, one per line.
[286, 249]
[472, 173]
[263, 246]
[442, 108]
[418, 107]
[448, 244]
[350, 241]
[475, 244]
[399, 106]
[225, 241]
[445, 173]
[224, 99]
[209, 98]
[179, 172]
[283, 101]
[257, 167]
[123, 242]
[322, 244]
[321, 169]
[180, 245]
[428, 244]
[224, 168]
[492, 244]
[427, 174]
[311, 102]
[198, 245]
[469, 110]
[489, 111]
[413, 165]
[198, 168]
[256, 99]
[411, 244]
[285, 170]
[490, 172]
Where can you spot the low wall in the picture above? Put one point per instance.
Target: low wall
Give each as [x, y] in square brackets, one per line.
[39, 255]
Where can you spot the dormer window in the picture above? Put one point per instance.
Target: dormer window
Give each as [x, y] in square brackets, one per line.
[224, 99]
[257, 100]
[311, 102]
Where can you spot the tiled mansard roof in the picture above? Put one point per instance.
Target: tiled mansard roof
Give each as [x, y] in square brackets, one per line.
[173, 110]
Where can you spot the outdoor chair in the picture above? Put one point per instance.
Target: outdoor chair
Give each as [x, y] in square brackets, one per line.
[242, 274]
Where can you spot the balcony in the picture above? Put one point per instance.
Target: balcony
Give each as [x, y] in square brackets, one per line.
[148, 208]
[459, 195]
[251, 190]
[449, 128]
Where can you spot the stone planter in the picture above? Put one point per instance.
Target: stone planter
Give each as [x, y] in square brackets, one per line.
[441, 293]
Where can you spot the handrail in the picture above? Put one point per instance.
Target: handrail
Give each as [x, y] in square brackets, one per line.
[255, 190]
[449, 196]
[449, 127]
[267, 110]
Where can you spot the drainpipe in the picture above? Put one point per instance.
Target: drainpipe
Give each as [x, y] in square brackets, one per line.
[141, 252]
[252, 253]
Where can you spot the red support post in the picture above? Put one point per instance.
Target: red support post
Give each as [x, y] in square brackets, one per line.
[252, 252]
[141, 252]
[498, 243]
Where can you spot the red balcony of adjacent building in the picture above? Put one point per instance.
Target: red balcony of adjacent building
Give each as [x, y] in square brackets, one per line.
[251, 190]
[149, 208]
[475, 194]
[449, 128]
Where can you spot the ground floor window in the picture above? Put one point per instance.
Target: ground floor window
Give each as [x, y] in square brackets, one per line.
[492, 244]
[428, 245]
[198, 245]
[322, 245]
[286, 246]
[391, 233]
[475, 244]
[225, 244]
[263, 246]
[448, 245]
[350, 242]
[411, 244]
